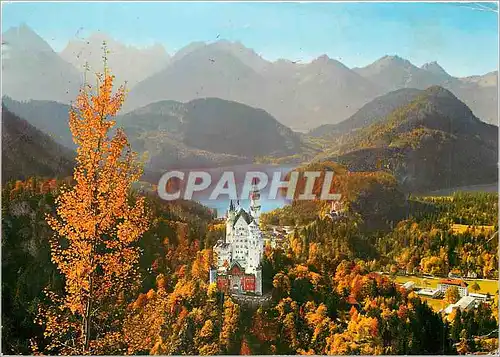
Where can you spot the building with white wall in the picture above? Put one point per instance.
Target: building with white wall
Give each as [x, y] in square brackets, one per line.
[462, 286]
[239, 255]
[464, 304]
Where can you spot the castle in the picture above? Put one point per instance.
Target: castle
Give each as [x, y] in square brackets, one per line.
[239, 269]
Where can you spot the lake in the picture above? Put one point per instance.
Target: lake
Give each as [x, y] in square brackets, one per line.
[221, 205]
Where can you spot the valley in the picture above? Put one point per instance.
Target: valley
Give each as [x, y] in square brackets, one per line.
[403, 138]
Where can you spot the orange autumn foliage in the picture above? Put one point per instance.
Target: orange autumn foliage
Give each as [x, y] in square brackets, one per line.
[34, 185]
[245, 349]
[263, 327]
[96, 226]
[143, 324]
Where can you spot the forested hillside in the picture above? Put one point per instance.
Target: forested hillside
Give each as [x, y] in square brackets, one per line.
[27, 151]
[433, 142]
[326, 296]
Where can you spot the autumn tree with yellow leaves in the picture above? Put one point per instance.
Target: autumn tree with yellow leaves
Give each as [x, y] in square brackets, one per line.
[97, 226]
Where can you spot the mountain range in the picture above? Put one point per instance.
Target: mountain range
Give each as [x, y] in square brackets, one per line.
[48, 116]
[129, 64]
[31, 69]
[301, 96]
[428, 139]
[205, 132]
[26, 151]
[221, 104]
[369, 113]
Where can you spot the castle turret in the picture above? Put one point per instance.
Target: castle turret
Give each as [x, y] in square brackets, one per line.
[231, 215]
[258, 280]
[255, 201]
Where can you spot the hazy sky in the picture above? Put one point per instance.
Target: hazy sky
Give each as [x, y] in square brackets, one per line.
[463, 38]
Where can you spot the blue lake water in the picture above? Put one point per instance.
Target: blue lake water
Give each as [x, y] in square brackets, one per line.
[221, 205]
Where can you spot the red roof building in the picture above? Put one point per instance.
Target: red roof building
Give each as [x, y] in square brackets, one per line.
[457, 282]
[445, 284]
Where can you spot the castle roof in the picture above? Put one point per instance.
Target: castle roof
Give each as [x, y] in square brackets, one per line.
[246, 216]
[236, 268]
[221, 244]
[235, 264]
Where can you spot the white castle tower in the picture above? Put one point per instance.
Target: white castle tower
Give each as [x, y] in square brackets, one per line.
[230, 216]
[255, 201]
